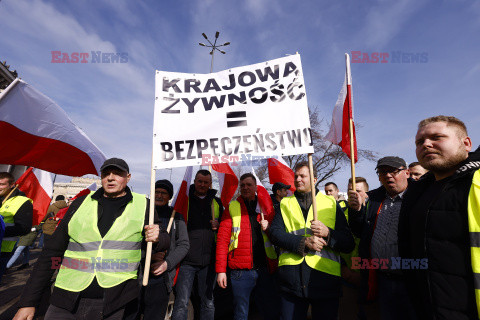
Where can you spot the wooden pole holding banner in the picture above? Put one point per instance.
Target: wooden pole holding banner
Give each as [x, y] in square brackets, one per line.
[148, 258]
[350, 121]
[312, 185]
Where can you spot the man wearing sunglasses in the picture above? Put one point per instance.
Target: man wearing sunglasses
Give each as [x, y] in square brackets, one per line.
[377, 225]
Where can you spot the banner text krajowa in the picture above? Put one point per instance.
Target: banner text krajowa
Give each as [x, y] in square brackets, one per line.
[259, 110]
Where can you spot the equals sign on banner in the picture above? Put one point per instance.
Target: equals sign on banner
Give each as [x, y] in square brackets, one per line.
[234, 115]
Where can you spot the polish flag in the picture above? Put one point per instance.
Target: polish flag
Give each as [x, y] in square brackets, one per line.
[38, 186]
[339, 132]
[279, 171]
[36, 132]
[180, 202]
[228, 182]
[264, 201]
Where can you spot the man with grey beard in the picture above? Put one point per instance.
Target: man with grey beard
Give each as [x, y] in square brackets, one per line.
[439, 223]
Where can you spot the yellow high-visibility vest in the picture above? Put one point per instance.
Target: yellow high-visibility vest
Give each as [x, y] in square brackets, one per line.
[235, 210]
[474, 229]
[8, 211]
[113, 259]
[327, 260]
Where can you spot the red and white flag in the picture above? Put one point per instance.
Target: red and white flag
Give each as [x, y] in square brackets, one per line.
[264, 200]
[339, 132]
[228, 182]
[279, 171]
[180, 201]
[36, 132]
[38, 186]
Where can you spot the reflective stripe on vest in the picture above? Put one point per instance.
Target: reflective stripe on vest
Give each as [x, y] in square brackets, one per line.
[235, 210]
[327, 260]
[113, 259]
[8, 211]
[474, 229]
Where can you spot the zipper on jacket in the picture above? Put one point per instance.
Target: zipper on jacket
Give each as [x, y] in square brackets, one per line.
[428, 273]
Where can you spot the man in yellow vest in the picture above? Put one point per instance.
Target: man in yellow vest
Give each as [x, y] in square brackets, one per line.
[17, 213]
[98, 248]
[309, 263]
[439, 228]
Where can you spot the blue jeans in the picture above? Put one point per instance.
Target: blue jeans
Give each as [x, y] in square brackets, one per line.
[264, 292]
[206, 278]
[17, 253]
[294, 307]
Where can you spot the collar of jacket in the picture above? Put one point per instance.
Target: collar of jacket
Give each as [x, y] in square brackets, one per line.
[99, 193]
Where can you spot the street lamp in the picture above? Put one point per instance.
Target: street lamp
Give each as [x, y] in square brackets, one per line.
[214, 47]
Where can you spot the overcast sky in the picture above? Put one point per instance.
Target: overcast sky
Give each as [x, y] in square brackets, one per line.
[113, 102]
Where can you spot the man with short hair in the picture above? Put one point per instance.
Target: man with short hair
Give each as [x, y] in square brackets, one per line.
[309, 263]
[199, 263]
[243, 245]
[440, 225]
[416, 170]
[280, 191]
[376, 224]
[17, 212]
[100, 241]
[331, 189]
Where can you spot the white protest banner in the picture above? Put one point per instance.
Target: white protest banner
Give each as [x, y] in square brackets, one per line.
[244, 113]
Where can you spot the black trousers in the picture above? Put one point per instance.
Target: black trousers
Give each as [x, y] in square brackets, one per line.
[154, 300]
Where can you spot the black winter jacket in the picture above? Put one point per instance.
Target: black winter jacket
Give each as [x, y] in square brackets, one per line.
[200, 233]
[56, 245]
[445, 289]
[301, 280]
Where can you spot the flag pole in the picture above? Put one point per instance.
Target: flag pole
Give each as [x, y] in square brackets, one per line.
[170, 222]
[350, 119]
[148, 258]
[312, 186]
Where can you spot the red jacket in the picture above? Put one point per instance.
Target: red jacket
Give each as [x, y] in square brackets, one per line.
[241, 257]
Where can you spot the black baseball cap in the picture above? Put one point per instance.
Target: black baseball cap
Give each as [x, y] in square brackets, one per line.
[279, 185]
[165, 184]
[391, 161]
[115, 162]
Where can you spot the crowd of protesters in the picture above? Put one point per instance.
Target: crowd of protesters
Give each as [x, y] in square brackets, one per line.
[409, 249]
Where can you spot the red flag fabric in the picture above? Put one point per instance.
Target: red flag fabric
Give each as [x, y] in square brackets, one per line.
[228, 182]
[339, 132]
[38, 186]
[36, 132]
[180, 202]
[264, 200]
[279, 171]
